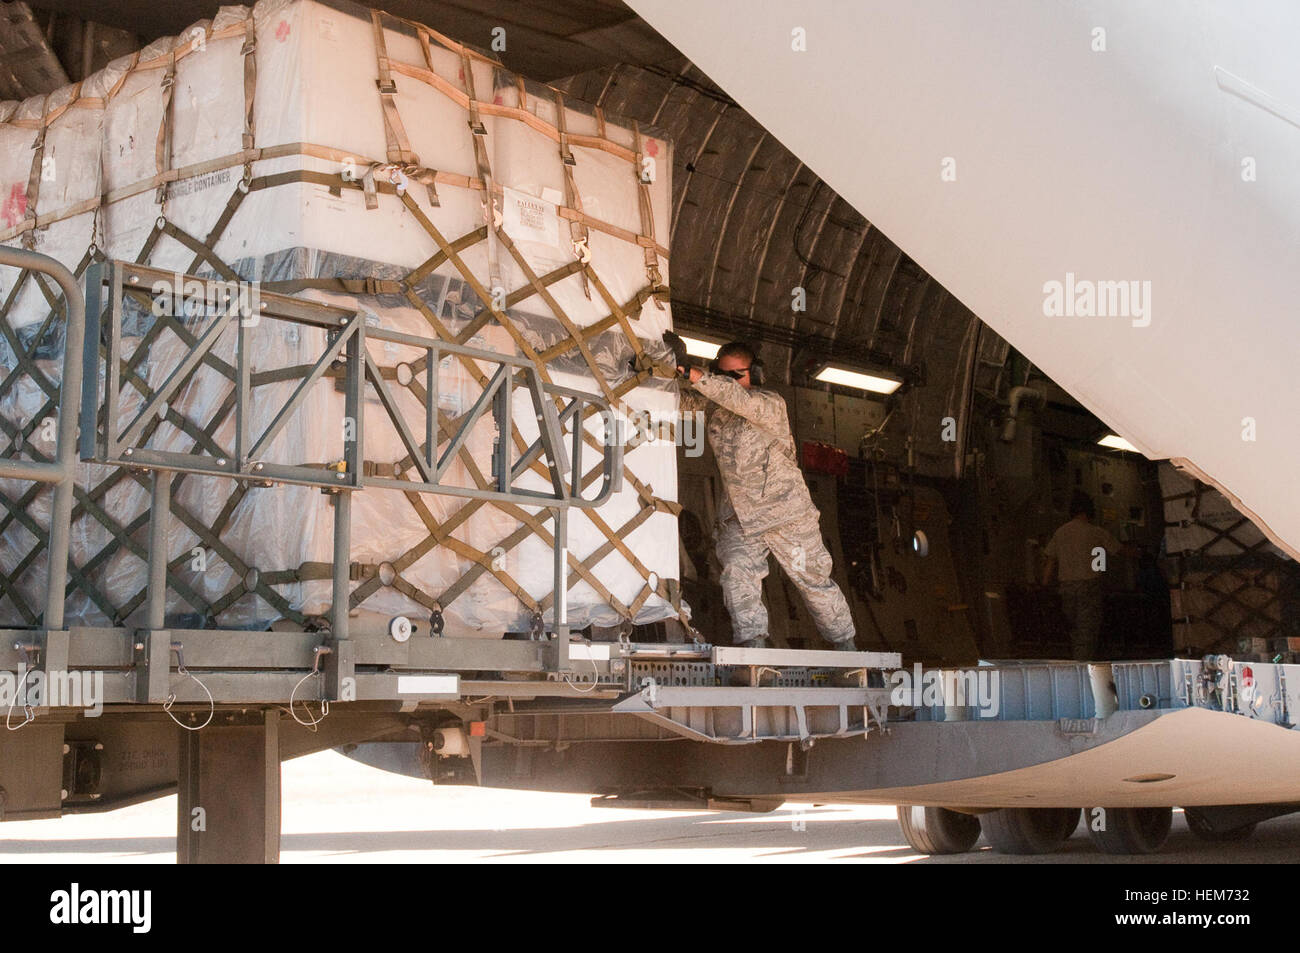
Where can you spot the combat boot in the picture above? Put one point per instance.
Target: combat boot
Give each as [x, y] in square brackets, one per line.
[744, 676]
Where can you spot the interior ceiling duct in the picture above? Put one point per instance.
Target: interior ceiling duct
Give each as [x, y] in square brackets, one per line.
[28, 66]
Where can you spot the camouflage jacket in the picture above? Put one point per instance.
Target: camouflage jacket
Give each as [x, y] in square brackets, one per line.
[750, 436]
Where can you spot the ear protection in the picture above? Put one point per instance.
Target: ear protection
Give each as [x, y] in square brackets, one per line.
[756, 376]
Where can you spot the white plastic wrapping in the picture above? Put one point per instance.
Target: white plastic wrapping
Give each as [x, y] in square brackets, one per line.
[316, 71]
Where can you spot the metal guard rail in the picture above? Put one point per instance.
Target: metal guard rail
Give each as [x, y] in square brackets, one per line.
[86, 330]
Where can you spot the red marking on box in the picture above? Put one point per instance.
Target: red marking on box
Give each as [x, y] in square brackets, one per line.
[14, 209]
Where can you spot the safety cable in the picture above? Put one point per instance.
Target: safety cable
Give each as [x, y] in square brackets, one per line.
[179, 649]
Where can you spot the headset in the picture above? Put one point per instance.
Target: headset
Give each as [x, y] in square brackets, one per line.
[756, 376]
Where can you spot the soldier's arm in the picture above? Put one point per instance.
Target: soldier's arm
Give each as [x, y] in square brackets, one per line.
[691, 401]
[764, 410]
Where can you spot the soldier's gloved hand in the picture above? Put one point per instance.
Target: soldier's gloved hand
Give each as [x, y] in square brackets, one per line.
[681, 359]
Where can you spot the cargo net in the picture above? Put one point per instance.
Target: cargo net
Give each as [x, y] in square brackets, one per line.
[1229, 582]
[218, 517]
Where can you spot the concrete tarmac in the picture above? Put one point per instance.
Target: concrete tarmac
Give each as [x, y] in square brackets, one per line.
[339, 811]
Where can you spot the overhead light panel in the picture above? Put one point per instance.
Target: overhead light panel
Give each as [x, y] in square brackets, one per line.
[698, 347]
[875, 382]
[1113, 441]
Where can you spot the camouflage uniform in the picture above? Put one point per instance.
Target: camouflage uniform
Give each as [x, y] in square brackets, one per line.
[766, 509]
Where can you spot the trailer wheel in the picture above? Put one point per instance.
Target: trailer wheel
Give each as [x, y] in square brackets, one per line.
[1130, 830]
[937, 830]
[1070, 822]
[1198, 825]
[1029, 830]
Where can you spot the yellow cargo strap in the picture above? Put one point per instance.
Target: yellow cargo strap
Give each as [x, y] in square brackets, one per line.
[491, 210]
[399, 147]
[578, 233]
[248, 51]
[34, 181]
[647, 211]
[163, 148]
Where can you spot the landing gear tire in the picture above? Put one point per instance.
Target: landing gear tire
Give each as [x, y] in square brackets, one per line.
[1198, 825]
[1130, 830]
[1029, 830]
[937, 830]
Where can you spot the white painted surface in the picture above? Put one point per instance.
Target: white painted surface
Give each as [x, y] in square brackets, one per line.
[1122, 165]
[428, 685]
[1209, 758]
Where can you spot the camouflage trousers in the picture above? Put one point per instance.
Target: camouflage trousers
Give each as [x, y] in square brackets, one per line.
[799, 550]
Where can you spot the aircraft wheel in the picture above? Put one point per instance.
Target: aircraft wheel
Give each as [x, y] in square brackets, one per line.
[1029, 830]
[1129, 830]
[1198, 825]
[937, 830]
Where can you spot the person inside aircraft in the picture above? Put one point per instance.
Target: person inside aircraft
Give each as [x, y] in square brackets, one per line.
[766, 506]
[1078, 554]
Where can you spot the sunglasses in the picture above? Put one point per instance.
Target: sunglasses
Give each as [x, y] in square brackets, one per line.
[736, 375]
